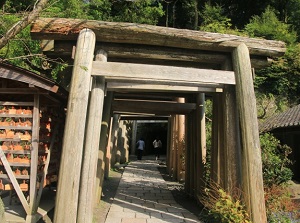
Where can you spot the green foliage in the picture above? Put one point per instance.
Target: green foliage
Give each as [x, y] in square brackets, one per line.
[143, 11]
[13, 6]
[17, 49]
[99, 9]
[275, 161]
[282, 78]
[214, 20]
[293, 9]
[268, 26]
[223, 207]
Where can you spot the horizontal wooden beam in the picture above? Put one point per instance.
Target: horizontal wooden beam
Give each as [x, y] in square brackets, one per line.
[127, 87]
[151, 107]
[151, 54]
[68, 29]
[155, 74]
[143, 117]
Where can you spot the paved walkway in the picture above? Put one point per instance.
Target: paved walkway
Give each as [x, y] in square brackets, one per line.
[143, 197]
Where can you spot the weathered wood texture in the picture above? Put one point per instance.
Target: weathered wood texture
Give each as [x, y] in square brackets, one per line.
[251, 152]
[148, 107]
[139, 87]
[89, 164]
[169, 143]
[70, 168]
[215, 144]
[66, 29]
[232, 141]
[181, 143]
[201, 143]
[34, 156]
[18, 75]
[232, 148]
[106, 119]
[14, 181]
[156, 74]
[152, 54]
[114, 132]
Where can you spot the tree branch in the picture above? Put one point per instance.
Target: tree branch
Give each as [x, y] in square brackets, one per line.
[20, 25]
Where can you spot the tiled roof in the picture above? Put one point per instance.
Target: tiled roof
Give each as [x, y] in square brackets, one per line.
[289, 118]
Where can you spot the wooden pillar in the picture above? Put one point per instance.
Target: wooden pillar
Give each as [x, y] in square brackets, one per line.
[232, 148]
[193, 156]
[181, 143]
[108, 151]
[172, 149]
[215, 153]
[251, 153]
[190, 180]
[89, 164]
[133, 137]
[31, 216]
[201, 142]
[175, 148]
[123, 146]
[169, 143]
[103, 142]
[72, 150]
[114, 137]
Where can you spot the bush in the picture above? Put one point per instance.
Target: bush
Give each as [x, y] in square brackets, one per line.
[280, 207]
[275, 161]
[223, 207]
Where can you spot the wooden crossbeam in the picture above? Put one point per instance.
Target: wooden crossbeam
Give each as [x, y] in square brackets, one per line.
[152, 107]
[155, 74]
[68, 29]
[117, 86]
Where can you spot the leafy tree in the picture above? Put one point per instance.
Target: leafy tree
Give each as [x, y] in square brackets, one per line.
[282, 78]
[214, 20]
[269, 27]
[143, 11]
[293, 16]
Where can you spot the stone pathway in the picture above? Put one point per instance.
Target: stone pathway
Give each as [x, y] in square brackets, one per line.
[143, 197]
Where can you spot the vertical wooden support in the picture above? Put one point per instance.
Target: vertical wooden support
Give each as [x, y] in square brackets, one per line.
[133, 137]
[103, 144]
[89, 165]
[201, 142]
[192, 166]
[221, 133]
[215, 153]
[114, 138]
[72, 150]
[187, 185]
[174, 147]
[169, 143]
[123, 146]
[232, 148]
[108, 151]
[181, 143]
[251, 152]
[34, 155]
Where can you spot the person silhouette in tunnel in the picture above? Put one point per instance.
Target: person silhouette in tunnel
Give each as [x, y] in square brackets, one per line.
[157, 147]
[140, 145]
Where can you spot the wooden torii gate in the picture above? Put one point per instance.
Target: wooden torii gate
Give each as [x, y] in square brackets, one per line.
[236, 158]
